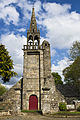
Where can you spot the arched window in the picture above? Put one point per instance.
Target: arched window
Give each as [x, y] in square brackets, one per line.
[30, 40]
[36, 42]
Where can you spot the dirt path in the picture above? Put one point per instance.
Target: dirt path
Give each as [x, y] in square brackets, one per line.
[28, 116]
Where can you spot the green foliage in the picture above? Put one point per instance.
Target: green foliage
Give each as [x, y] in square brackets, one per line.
[75, 50]
[57, 78]
[62, 106]
[72, 73]
[6, 64]
[78, 109]
[67, 113]
[2, 89]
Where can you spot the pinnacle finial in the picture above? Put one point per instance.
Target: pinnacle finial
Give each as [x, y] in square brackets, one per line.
[33, 13]
[33, 25]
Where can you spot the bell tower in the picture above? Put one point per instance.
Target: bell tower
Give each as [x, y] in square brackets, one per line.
[33, 34]
[38, 91]
[33, 68]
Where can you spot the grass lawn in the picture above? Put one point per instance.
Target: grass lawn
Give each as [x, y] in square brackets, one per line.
[32, 111]
[60, 113]
[67, 113]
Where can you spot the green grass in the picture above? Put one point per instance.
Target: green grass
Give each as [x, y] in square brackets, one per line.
[67, 113]
[32, 111]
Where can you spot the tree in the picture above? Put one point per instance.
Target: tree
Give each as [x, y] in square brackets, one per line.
[72, 73]
[57, 78]
[2, 89]
[6, 64]
[75, 50]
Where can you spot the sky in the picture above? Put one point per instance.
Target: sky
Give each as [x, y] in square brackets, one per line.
[59, 24]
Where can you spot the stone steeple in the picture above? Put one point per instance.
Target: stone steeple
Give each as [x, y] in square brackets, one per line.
[33, 25]
[33, 35]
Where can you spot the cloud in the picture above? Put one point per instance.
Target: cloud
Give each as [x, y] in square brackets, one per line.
[54, 9]
[22, 30]
[26, 8]
[42, 39]
[61, 65]
[4, 3]
[12, 82]
[9, 13]
[62, 26]
[53, 52]
[19, 69]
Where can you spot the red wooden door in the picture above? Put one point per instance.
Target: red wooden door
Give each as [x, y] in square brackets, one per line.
[33, 102]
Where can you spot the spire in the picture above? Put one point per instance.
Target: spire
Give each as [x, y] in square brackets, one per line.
[33, 25]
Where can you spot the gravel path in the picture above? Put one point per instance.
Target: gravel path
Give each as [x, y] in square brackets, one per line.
[28, 116]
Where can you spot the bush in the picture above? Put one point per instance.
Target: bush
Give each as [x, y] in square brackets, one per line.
[2, 89]
[62, 106]
[78, 109]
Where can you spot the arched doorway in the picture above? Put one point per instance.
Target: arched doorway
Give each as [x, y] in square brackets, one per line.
[33, 102]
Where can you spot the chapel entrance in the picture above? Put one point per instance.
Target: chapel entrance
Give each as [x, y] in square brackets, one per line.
[33, 102]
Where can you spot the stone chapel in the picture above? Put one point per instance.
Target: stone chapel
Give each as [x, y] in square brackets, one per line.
[39, 92]
[36, 90]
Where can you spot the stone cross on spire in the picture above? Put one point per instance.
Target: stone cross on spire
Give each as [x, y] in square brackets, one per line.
[33, 25]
